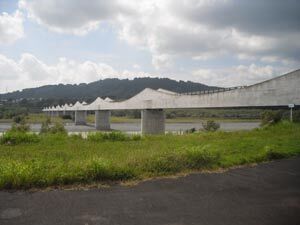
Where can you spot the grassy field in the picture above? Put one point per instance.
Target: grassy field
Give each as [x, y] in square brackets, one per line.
[52, 160]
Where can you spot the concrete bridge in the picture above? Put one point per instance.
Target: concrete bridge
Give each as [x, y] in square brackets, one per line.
[277, 92]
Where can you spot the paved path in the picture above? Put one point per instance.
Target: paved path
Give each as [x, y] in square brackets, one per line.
[266, 194]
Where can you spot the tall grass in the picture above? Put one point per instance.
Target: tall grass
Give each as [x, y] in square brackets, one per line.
[59, 159]
[17, 137]
[111, 136]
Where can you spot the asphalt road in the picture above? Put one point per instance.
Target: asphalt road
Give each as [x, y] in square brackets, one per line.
[265, 194]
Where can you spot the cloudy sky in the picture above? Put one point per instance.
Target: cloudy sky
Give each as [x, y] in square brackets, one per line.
[216, 42]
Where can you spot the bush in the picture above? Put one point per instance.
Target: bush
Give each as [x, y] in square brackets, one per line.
[202, 157]
[190, 131]
[21, 127]
[103, 170]
[111, 136]
[210, 125]
[272, 154]
[66, 117]
[14, 138]
[270, 118]
[296, 116]
[136, 137]
[163, 164]
[170, 115]
[76, 136]
[58, 128]
[19, 119]
[45, 128]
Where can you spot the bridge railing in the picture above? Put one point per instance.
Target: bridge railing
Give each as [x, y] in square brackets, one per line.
[211, 91]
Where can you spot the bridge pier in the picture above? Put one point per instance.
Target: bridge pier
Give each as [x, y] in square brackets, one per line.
[102, 120]
[80, 117]
[153, 121]
[72, 113]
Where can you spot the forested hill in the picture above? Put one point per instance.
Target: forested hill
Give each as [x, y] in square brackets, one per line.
[114, 88]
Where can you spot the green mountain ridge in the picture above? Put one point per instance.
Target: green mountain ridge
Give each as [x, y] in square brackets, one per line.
[114, 88]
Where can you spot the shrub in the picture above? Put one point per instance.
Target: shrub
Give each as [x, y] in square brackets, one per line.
[296, 116]
[45, 128]
[21, 127]
[58, 128]
[13, 138]
[76, 136]
[272, 153]
[170, 115]
[210, 125]
[190, 131]
[98, 136]
[100, 169]
[111, 136]
[202, 157]
[19, 119]
[270, 118]
[164, 164]
[136, 137]
[116, 136]
[66, 117]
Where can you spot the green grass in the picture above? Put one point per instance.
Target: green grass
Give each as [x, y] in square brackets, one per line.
[59, 160]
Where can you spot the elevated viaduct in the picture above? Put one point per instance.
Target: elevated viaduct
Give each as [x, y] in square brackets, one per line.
[277, 92]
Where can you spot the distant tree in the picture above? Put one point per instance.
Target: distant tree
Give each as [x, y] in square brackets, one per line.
[270, 117]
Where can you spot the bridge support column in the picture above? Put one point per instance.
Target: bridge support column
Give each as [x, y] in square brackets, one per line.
[153, 121]
[80, 117]
[72, 113]
[102, 120]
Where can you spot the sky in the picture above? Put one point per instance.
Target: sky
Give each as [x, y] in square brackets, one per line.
[215, 42]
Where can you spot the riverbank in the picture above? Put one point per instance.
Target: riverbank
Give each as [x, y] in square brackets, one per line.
[39, 118]
[57, 160]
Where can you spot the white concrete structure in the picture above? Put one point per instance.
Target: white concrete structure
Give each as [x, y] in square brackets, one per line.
[102, 120]
[153, 121]
[277, 92]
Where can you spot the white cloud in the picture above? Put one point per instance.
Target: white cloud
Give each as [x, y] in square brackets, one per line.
[136, 66]
[29, 71]
[70, 16]
[11, 27]
[194, 29]
[238, 75]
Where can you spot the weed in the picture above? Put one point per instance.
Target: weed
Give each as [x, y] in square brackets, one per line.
[14, 138]
[60, 159]
[210, 125]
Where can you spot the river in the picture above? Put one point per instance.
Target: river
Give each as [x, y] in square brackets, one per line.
[136, 126]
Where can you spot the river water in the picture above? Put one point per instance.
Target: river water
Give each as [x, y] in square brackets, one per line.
[136, 126]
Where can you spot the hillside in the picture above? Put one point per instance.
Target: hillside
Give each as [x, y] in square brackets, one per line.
[113, 88]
